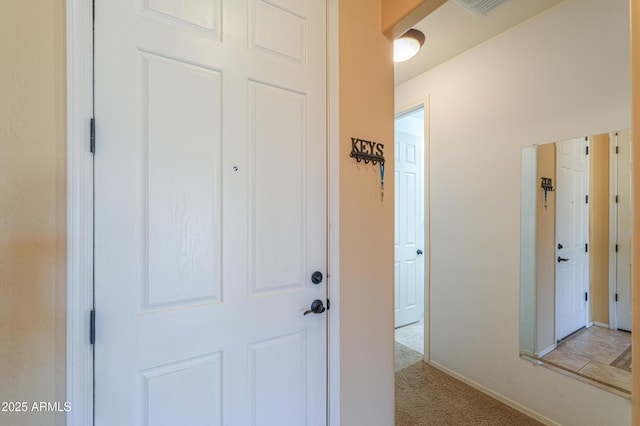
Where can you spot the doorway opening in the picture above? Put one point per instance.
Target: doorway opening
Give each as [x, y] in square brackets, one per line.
[410, 232]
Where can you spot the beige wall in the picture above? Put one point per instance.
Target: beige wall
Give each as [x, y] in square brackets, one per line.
[599, 228]
[32, 207]
[366, 222]
[546, 252]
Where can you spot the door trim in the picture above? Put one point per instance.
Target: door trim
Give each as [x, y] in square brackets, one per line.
[79, 362]
[426, 199]
[613, 231]
[614, 234]
[333, 214]
[79, 374]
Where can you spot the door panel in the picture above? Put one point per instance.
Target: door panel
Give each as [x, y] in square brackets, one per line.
[277, 385]
[185, 392]
[201, 16]
[276, 124]
[182, 182]
[210, 212]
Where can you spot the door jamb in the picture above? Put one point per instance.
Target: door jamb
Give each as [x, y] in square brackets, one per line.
[426, 173]
[333, 214]
[613, 231]
[79, 363]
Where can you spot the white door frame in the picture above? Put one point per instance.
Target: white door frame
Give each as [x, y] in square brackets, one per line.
[79, 211]
[614, 166]
[79, 366]
[426, 173]
[613, 230]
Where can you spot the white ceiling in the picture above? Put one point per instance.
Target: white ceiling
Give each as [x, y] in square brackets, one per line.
[452, 29]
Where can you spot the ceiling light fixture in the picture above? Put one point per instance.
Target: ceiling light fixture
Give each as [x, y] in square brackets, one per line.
[407, 45]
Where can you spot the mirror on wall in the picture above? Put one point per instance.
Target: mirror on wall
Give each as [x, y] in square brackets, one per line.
[575, 287]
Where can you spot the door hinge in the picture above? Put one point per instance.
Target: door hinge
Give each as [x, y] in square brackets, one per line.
[616, 297]
[92, 136]
[586, 248]
[586, 199]
[92, 327]
[586, 148]
[616, 198]
[328, 304]
[616, 248]
[616, 149]
[586, 296]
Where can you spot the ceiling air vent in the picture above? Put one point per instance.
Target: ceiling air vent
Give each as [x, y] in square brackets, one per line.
[480, 7]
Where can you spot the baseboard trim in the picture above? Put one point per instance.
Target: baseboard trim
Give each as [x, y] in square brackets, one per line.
[601, 324]
[546, 351]
[511, 403]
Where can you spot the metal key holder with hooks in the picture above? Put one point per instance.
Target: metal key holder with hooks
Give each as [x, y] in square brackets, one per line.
[369, 152]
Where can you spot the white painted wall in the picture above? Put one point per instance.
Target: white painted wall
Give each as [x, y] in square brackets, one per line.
[561, 74]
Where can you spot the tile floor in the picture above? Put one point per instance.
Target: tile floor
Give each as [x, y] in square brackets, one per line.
[588, 355]
[412, 336]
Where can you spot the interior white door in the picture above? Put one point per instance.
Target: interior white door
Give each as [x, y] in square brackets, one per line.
[409, 218]
[210, 212]
[623, 231]
[572, 269]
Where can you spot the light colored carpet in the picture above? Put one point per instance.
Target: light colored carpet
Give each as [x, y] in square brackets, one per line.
[426, 396]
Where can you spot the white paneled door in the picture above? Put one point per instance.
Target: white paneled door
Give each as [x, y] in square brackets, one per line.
[210, 212]
[572, 222]
[409, 218]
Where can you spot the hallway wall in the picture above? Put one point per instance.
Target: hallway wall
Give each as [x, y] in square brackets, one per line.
[533, 84]
[366, 221]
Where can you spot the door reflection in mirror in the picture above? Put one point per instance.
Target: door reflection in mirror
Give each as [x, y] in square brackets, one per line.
[575, 247]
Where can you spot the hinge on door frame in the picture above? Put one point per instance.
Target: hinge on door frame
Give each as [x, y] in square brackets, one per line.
[586, 199]
[616, 248]
[328, 304]
[92, 326]
[587, 149]
[616, 149]
[92, 135]
[586, 296]
[586, 247]
[616, 297]
[616, 198]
